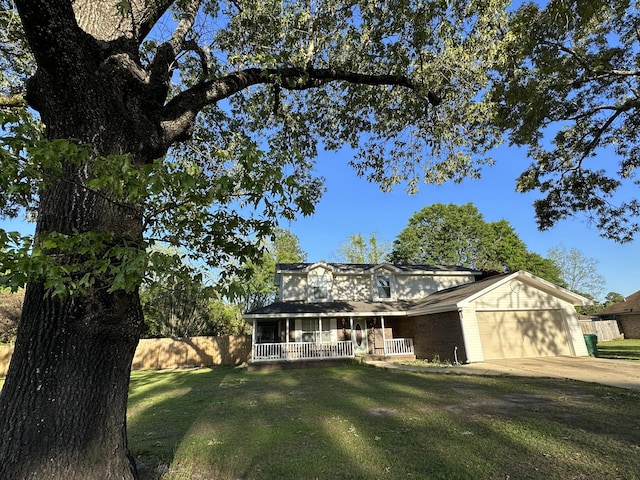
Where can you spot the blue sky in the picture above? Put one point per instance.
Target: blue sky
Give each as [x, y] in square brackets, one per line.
[353, 205]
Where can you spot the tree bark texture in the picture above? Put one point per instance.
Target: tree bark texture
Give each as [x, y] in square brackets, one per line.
[63, 404]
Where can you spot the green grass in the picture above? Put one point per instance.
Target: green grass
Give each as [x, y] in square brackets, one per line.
[628, 349]
[360, 422]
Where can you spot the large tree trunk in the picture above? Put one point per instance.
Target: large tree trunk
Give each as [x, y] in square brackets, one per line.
[63, 404]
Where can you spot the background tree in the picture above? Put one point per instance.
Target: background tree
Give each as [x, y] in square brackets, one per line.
[357, 249]
[193, 123]
[579, 272]
[458, 235]
[10, 308]
[611, 298]
[542, 267]
[226, 318]
[569, 90]
[442, 234]
[257, 276]
[175, 299]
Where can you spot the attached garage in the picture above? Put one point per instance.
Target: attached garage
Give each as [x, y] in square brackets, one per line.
[523, 334]
[516, 315]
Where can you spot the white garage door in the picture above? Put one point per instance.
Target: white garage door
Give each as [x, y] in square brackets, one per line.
[523, 334]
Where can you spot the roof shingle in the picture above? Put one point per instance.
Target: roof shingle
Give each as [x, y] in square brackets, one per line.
[628, 305]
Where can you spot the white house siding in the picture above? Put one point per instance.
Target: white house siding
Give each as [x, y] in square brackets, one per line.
[578, 344]
[517, 295]
[351, 287]
[471, 334]
[415, 287]
[354, 287]
[294, 287]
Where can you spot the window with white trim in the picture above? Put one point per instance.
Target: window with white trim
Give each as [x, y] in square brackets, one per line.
[310, 330]
[319, 285]
[383, 286]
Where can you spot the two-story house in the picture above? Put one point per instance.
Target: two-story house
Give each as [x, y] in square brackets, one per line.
[337, 310]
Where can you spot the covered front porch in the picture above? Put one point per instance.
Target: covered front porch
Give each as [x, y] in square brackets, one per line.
[326, 338]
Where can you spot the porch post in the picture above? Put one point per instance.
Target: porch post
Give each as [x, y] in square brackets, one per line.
[253, 338]
[320, 327]
[287, 330]
[285, 349]
[384, 340]
[353, 348]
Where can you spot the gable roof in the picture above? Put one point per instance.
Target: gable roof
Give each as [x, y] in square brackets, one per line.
[630, 304]
[462, 295]
[442, 301]
[361, 268]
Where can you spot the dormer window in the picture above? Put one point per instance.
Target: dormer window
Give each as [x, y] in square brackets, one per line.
[383, 286]
[319, 288]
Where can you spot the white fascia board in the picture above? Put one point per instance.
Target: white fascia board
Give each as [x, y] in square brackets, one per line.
[386, 266]
[534, 281]
[572, 297]
[435, 309]
[324, 265]
[264, 316]
[434, 273]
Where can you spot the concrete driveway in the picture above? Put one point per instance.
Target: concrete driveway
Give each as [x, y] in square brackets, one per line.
[617, 373]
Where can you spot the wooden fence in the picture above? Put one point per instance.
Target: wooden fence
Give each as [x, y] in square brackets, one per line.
[160, 353]
[604, 329]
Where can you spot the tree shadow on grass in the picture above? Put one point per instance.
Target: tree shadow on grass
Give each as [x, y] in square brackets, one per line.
[619, 352]
[359, 422]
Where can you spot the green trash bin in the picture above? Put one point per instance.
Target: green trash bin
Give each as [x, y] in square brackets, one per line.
[592, 344]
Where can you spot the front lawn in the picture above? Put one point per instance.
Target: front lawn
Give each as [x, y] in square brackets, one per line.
[628, 349]
[361, 422]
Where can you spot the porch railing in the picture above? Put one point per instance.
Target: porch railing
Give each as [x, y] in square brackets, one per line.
[263, 352]
[399, 346]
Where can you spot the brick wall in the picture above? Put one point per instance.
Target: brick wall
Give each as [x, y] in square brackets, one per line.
[438, 334]
[630, 325]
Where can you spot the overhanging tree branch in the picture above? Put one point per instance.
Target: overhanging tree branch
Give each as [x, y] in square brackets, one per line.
[164, 61]
[179, 113]
[56, 40]
[130, 20]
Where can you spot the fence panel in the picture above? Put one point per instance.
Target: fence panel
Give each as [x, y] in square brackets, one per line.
[158, 353]
[604, 329]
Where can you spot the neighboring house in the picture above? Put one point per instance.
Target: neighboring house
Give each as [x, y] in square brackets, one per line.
[336, 310]
[627, 313]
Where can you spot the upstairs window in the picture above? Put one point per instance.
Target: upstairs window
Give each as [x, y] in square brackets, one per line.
[319, 288]
[383, 286]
